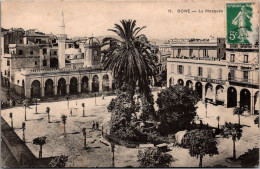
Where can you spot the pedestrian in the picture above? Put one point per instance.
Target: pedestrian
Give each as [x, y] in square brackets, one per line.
[97, 125]
[93, 125]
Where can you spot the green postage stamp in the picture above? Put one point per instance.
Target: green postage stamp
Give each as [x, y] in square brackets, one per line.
[239, 22]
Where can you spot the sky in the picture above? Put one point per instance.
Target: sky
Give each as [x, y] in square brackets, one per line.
[84, 18]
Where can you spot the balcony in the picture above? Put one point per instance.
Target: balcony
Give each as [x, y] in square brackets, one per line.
[202, 60]
[243, 81]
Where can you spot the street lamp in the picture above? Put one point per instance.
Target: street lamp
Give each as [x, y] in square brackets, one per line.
[67, 98]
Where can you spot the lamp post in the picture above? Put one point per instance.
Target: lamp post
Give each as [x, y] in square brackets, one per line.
[67, 98]
[113, 154]
[206, 106]
[11, 117]
[23, 127]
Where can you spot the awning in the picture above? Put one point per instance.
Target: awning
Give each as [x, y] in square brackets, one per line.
[220, 95]
[210, 94]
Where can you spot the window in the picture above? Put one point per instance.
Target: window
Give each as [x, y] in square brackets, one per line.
[179, 52]
[232, 74]
[232, 58]
[35, 63]
[200, 71]
[38, 41]
[204, 52]
[180, 69]
[18, 81]
[245, 58]
[44, 51]
[189, 70]
[209, 72]
[220, 73]
[44, 63]
[31, 52]
[8, 62]
[245, 76]
[55, 53]
[5, 72]
[191, 52]
[20, 52]
[172, 68]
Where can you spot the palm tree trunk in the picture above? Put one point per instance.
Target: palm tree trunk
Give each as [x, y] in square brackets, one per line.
[239, 119]
[24, 113]
[85, 141]
[83, 112]
[49, 118]
[234, 149]
[64, 129]
[218, 124]
[12, 123]
[40, 152]
[200, 165]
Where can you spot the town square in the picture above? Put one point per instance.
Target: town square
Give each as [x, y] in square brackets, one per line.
[122, 93]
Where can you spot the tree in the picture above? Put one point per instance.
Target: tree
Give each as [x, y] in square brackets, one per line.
[153, 157]
[11, 117]
[218, 118]
[257, 121]
[64, 119]
[176, 108]
[250, 158]
[85, 137]
[59, 161]
[68, 101]
[40, 141]
[238, 111]
[131, 60]
[25, 104]
[48, 112]
[200, 143]
[234, 131]
[83, 109]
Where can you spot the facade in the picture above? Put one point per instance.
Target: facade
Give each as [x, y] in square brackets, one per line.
[47, 65]
[206, 67]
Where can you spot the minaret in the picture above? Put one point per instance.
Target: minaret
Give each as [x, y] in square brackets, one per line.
[61, 44]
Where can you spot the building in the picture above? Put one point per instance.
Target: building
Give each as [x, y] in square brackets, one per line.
[45, 65]
[226, 75]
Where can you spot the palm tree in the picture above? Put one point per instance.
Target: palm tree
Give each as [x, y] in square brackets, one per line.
[130, 59]
[64, 119]
[48, 112]
[23, 127]
[238, 111]
[218, 118]
[11, 117]
[234, 131]
[83, 109]
[40, 141]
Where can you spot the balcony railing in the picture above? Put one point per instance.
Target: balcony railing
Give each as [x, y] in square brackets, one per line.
[55, 70]
[198, 58]
[242, 80]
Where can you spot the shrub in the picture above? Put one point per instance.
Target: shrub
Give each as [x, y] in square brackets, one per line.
[250, 158]
[153, 157]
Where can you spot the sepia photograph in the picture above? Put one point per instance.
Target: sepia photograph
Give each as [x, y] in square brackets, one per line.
[126, 83]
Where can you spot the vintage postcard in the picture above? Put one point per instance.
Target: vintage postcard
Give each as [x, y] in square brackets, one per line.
[122, 83]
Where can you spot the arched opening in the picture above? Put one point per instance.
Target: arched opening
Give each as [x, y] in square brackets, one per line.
[95, 84]
[189, 84]
[73, 85]
[256, 103]
[48, 87]
[36, 89]
[220, 97]
[84, 84]
[209, 95]
[62, 86]
[180, 82]
[105, 83]
[231, 97]
[171, 81]
[245, 100]
[198, 88]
